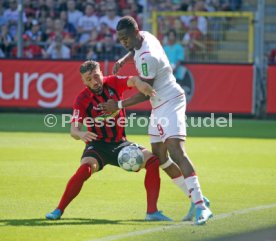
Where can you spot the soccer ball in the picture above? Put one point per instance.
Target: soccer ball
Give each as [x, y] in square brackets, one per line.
[131, 158]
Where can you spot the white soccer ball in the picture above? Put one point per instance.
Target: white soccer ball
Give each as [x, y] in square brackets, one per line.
[131, 158]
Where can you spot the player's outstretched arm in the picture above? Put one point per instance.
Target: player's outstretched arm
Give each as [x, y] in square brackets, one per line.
[135, 99]
[112, 105]
[77, 133]
[141, 86]
[120, 62]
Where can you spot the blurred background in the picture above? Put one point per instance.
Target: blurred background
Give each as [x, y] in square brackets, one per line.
[223, 52]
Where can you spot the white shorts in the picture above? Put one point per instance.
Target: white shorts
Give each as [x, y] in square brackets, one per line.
[168, 120]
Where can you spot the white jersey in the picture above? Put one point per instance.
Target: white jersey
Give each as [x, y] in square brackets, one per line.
[152, 63]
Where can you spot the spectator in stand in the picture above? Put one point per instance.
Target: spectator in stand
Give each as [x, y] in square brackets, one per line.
[104, 30]
[62, 5]
[111, 19]
[30, 50]
[226, 5]
[35, 34]
[89, 46]
[108, 50]
[58, 50]
[6, 40]
[201, 21]
[184, 5]
[2, 54]
[47, 28]
[164, 5]
[81, 5]
[134, 8]
[51, 7]
[42, 14]
[193, 39]
[11, 14]
[28, 23]
[67, 27]
[176, 55]
[164, 25]
[3, 19]
[87, 23]
[29, 8]
[179, 29]
[235, 5]
[91, 52]
[101, 8]
[59, 29]
[272, 57]
[73, 14]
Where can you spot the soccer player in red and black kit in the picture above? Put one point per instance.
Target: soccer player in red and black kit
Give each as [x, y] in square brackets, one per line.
[104, 140]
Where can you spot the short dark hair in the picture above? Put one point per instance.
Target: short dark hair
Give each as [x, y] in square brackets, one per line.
[127, 22]
[89, 65]
[172, 31]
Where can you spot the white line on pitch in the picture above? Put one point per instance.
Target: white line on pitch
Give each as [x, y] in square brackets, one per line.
[178, 225]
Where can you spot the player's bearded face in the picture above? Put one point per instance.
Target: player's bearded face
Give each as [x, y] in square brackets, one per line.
[94, 81]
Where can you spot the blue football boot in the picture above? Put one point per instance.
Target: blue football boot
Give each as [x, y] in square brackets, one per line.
[202, 215]
[192, 211]
[157, 216]
[55, 215]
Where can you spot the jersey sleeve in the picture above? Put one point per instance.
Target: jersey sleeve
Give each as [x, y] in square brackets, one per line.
[78, 111]
[119, 83]
[148, 67]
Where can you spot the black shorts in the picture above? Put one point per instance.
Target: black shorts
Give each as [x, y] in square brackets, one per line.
[106, 153]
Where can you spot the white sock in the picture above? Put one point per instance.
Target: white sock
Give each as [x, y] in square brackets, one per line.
[180, 182]
[193, 186]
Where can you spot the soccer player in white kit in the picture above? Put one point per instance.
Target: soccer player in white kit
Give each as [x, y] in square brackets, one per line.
[167, 128]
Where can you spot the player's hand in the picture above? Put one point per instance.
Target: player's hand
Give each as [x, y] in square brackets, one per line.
[119, 64]
[145, 88]
[87, 136]
[109, 106]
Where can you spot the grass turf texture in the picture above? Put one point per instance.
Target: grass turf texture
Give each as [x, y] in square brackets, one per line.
[235, 173]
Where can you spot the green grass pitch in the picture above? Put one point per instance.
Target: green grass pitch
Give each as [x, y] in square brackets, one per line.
[236, 166]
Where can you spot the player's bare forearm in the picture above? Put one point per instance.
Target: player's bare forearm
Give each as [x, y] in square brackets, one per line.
[128, 57]
[142, 86]
[112, 105]
[78, 134]
[120, 62]
[135, 99]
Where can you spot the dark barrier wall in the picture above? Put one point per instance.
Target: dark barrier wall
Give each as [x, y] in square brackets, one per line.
[54, 84]
[271, 90]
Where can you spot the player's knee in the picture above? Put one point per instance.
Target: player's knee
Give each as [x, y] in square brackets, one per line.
[92, 162]
[166, 164]
[176, 150]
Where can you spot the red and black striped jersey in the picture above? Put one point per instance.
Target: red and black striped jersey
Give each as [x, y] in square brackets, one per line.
[108, 126]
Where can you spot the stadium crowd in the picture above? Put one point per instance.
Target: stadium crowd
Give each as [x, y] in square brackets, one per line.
[85, 29]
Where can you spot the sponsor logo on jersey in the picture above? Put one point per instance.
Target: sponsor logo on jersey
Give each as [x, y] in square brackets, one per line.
[145, 69]
[106, 115]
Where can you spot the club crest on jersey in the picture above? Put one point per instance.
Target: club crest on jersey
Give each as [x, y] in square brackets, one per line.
[145, 69]
[111, 92]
